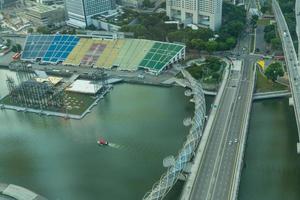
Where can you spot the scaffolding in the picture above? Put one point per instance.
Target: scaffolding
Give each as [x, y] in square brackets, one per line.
[32, 94]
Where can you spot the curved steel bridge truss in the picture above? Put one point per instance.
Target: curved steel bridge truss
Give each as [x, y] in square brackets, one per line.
[168, 179]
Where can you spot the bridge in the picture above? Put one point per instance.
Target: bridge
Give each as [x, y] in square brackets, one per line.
[11, 191]
[271, 95]
[297, 13]
[291, 59]
[217, 166]
[181, 163]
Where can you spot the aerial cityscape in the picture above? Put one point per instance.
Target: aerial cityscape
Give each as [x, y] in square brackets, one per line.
[149, 99]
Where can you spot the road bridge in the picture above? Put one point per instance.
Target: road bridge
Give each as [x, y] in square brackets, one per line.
[217, 165]
[291, 60]
[271, 95]
[297, 13]
[219, 170]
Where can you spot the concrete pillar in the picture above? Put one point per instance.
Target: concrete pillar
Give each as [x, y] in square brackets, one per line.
[291, 101]
[298, 147]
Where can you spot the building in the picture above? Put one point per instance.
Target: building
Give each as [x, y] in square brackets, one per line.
[7, 3]
[50, 2]
[204, 13]
[132, 3]
[42, 15]
[80, 12]
[105, 21]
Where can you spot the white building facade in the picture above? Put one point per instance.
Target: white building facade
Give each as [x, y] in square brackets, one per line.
[204, 13]
[80, 12]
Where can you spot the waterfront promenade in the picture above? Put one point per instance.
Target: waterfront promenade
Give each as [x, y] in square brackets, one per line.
[11, 191]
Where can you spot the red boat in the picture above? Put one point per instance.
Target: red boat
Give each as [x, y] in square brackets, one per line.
[102, 142]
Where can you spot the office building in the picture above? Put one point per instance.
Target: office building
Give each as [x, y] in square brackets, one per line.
[7, 3]
[204, 13]
[80, 12]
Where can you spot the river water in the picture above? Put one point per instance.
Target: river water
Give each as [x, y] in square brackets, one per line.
[60, 159]
[272, 166]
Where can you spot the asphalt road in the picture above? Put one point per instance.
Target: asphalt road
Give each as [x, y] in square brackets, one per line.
[291, 60]
[215, 176]
[216, 172]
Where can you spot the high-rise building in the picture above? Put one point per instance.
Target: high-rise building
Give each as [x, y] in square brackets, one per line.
[7, 3]
[81, 11]
[204, 13]
[50, 2]
[132, 3]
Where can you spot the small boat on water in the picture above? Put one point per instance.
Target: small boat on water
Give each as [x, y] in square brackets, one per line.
[102, 142]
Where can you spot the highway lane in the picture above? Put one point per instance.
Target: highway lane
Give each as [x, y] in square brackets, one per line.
[227, 167]
[217, 171]
[208, 164]
[291, 61]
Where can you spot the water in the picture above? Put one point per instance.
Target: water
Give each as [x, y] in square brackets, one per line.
[60, 159]
[272, 170]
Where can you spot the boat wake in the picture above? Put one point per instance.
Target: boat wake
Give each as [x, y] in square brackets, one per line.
[116, 146]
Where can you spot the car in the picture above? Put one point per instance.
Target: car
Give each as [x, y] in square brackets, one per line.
[230, 142]
[235, 140]
[141, 76]
[239, 97]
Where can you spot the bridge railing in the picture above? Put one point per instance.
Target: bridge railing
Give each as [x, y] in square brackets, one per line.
[290, 58]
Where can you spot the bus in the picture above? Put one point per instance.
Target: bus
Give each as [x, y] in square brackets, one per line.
[16, 56]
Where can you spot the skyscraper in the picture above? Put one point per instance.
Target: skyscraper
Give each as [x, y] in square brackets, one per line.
[81, 11]
[7, 3]
[204, 13]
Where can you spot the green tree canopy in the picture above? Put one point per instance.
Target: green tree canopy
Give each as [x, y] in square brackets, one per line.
[274, 71]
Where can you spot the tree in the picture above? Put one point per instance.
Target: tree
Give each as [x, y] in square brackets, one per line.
[30, 30]
[16, 48]
[230, 42]
[213, 63]
[211, 46]
[198, 44]
[269, 36]
[43, 30]
[254, 20]
[274, 71]
[148, 4]
[276, 43]
[8, 42]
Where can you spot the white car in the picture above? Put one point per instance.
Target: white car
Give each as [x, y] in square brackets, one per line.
[235, 140]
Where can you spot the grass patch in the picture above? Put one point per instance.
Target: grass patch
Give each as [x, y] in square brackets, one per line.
[263, 22]
[265, 85]
[78, 103]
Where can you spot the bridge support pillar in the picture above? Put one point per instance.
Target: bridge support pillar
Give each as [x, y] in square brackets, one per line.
[291, 101]
[298, 147]
[182, 177]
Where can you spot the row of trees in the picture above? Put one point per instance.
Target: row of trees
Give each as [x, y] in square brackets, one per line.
[271, 37]
[288, 9]
[14, 47]
[152, 26]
